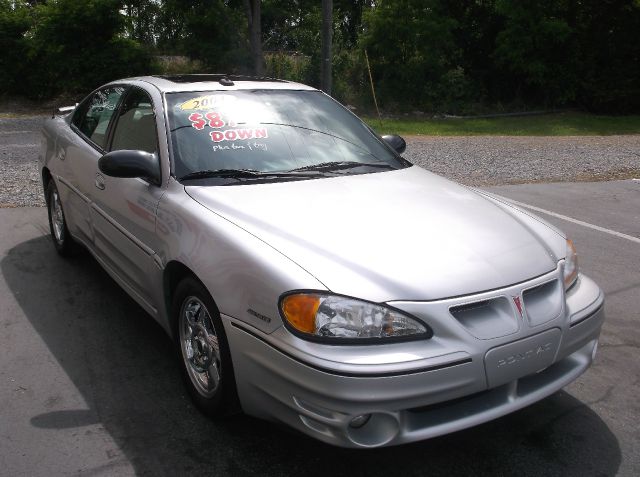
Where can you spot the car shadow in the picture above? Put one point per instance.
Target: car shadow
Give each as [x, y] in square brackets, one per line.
[124, 365]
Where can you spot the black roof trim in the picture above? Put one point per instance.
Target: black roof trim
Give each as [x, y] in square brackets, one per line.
[197, 78]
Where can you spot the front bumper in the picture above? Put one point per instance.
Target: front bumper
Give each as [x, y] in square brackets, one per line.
[320, 389]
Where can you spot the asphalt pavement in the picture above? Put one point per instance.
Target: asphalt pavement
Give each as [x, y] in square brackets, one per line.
[89, 383]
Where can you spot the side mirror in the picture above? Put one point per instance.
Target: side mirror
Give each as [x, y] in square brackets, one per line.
[126, 163]
[63, 110]
[396, 142]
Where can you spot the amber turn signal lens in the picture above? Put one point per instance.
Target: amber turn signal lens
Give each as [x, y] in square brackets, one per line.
[300, 311]
[570, 265]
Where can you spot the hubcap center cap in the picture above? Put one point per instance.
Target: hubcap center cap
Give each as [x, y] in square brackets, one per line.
[200, 347]
[202, 352]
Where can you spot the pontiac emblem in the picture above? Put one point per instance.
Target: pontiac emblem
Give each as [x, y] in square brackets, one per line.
[516, 300]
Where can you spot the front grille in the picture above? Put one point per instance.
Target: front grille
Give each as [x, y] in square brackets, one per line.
[486, 319]
[543, 303]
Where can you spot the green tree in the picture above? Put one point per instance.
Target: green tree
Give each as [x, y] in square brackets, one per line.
[413, 53]
[211, 31]
[477, 25]
[77, 45]
[141, 20]
[536, 51]
[609, 73]
[171, 27]
[434, 55]
[215, 33]
[14, 24]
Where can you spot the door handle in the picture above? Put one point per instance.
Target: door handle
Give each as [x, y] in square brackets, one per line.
[99, 181]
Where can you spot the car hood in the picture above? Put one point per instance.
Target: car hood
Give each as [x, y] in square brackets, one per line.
[396, 235]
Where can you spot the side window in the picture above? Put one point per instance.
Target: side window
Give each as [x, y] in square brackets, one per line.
[136, 126]
[93, 118]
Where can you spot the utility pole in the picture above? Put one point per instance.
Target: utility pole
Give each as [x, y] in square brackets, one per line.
[327, 34]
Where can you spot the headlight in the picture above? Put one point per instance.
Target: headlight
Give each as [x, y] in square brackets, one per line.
[325, 317]
[570, 265]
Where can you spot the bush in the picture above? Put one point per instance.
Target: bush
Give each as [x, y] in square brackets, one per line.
[175, 65]
[290, 66]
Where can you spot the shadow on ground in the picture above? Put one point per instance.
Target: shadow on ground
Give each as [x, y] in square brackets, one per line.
[123, 364]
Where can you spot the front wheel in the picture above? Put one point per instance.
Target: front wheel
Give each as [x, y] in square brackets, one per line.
[203, 350]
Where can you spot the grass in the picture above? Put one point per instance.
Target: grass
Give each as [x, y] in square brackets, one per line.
[563, 124]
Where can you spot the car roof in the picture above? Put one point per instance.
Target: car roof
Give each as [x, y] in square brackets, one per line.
[217, 82]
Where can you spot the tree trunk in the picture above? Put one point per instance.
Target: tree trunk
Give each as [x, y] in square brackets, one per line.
[255, 35]
[327, 34]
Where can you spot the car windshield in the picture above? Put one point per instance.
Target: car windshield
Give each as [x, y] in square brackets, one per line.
[263, 132]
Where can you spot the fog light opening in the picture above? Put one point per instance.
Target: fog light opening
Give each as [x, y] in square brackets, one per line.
[374, 429]
[359, 421]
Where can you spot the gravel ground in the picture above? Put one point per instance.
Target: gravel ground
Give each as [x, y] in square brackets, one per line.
[475, 160]
[19, 148]
[498, 160]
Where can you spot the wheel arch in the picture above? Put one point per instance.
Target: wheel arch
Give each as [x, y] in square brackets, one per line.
[174, 272]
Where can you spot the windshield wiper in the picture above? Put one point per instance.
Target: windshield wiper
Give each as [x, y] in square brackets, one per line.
[241, 174]
[337, 165]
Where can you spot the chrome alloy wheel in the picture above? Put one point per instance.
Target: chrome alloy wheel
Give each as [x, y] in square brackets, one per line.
[199, 346]
[57, 217]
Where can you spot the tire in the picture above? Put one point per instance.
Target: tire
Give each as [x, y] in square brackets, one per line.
[203, 350]
[60, 235]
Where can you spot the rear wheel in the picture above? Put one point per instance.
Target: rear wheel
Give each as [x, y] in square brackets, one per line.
[203, 350]
[60, 235]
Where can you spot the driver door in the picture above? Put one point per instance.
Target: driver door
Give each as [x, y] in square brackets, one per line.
[123, 211]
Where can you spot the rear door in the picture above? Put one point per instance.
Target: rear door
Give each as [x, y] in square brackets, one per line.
[123, 210]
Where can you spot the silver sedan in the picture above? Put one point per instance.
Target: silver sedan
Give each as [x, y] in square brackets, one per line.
[308, 273]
